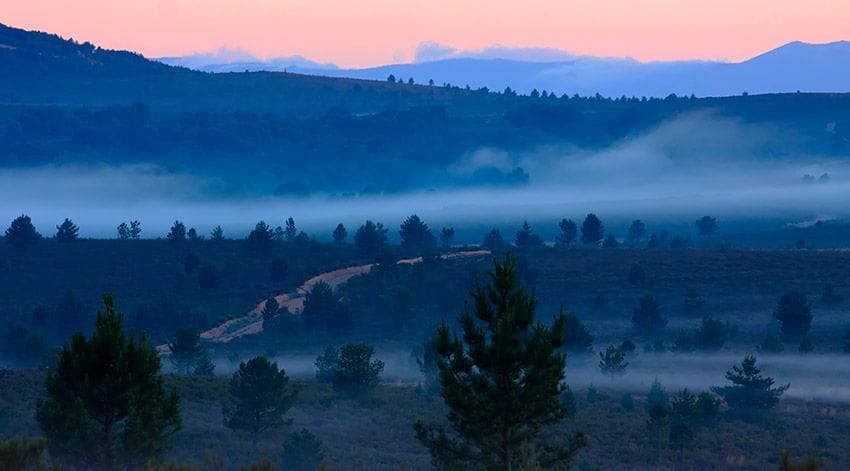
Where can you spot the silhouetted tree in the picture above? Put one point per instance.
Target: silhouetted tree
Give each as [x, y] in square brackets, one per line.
[750, 391]
[291, 231]
[324, 311]
[612, 361]
[610, 242]
[707, 226]
[21, 234]
[447, 235]
[592, 230]
[370, 239]
[67, 231]
[647, 315]
[525, 237]
[711, 335]
[637, 231]
[493, 241]
[302, 451]
[568, 234]
[502, 381]
[771, 343]
[186, 349]
[428, 365]
[391, 78]
[106, 406]
[123, 231]
[260, 397]
[177, 234]
[261, 238]
[653, 242]
[416, 236]
[794, 312]
[217, 234]
[23, 346]
[204, 366]
[806, 345]
[576, 336]
[135, 230]
[356, 373]
[656, 396]
[340, 234]
[326, 364]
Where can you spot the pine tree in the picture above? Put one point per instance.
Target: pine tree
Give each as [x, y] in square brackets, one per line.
[21, 234]
[569, 232]
[794, 312]
[291, 231]
[260, 397]
[186, 349]
[67, 231]
[340, 234]
[750, 391]
[217, 234]
[416, 236]
[612, 361]
[177, 235]
[502, 382]
[576, 336]
[447, 235]
[370, 239]
[261, 238]
[647, 315]
[525, 237]
[592, 230]
[302, 451]
[637, 231]
[106, 405]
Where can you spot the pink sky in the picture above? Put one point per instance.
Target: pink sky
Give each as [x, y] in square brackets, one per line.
[372, 32]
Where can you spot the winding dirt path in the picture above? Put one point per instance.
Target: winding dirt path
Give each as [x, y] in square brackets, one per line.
[252, 322]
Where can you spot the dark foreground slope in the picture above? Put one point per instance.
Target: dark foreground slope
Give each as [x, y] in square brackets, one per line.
[378, 433]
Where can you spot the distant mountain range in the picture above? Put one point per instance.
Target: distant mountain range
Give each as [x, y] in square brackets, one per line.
[793, 67]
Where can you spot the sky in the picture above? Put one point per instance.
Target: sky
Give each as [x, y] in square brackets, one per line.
[375, 32]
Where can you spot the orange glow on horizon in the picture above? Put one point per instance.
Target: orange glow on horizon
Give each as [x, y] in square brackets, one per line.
[374, 32]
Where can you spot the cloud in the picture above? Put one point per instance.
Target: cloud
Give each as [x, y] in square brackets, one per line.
[432, 51]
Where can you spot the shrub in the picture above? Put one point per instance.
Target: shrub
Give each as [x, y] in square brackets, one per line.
[647, 315]
[23, 454]
[612, 361]
[302, 451]
[576, 336]
[356, 373]
[750, 391]
[326, 364]
[260, 396]
[794, 312]
[711, 335]
[806, 345]
[771, 343]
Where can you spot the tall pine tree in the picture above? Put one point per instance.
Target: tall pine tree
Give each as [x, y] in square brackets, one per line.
[502, 383]
[106, 406]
